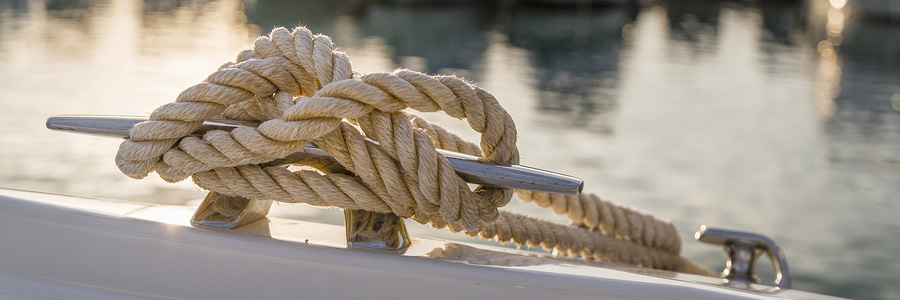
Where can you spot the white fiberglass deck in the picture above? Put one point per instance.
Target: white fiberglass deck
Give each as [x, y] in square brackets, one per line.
[75, 248]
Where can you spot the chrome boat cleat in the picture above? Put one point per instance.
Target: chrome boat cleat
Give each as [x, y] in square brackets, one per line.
[364, 229]
[221, 211]
[466, 166]
[743, 249]
[378, 231]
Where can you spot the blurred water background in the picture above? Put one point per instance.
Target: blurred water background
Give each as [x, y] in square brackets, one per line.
[775, 116]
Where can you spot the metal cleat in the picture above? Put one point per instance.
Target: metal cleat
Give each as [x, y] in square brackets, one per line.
[743, 249]
[220, 211]
[378, 231]
[365, 229]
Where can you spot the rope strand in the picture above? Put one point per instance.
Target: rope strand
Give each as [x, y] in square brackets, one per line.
[301, 89]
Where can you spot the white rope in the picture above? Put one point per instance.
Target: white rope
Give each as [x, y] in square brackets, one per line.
[303, 90]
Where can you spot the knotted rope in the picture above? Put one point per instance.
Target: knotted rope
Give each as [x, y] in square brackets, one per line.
[301, 89]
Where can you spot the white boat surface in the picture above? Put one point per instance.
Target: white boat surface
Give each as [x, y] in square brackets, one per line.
[65, 247]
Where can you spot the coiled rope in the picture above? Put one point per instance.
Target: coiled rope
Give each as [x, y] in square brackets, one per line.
[303, 90]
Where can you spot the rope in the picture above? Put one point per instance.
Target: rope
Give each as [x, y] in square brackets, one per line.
[586, 210]
[302, 90]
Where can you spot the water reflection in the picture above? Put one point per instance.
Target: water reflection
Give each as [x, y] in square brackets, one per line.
[575, 55]
[318, 15]
[427, 38]
[76, 10]
[783, 20]
[63, 23]
[861, 67]
[17, 6]
[170, 27]
[692, 22]
[453, 41]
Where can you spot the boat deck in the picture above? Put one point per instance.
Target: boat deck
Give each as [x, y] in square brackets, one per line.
[69, 247]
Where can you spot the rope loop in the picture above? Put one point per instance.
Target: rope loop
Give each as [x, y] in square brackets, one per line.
[300, 89]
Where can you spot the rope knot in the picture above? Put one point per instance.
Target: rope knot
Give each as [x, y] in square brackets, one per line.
[301, 90]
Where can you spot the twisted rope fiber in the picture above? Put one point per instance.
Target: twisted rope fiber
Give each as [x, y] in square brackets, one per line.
[586, 209]
[316, 118]
[401, 173]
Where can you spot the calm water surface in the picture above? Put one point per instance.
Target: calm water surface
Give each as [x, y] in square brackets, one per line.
[774, 117]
